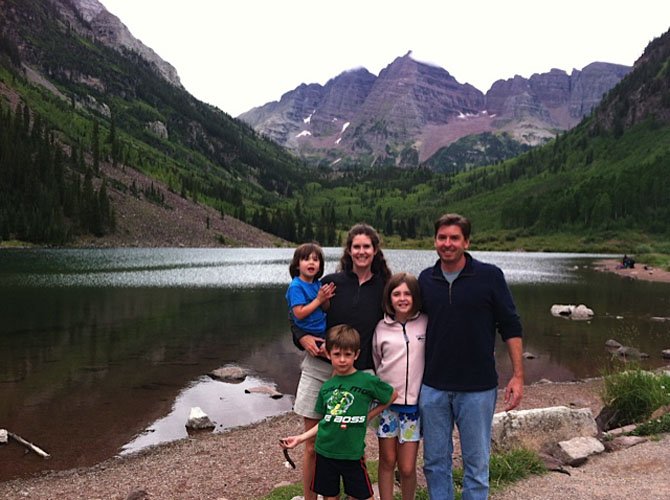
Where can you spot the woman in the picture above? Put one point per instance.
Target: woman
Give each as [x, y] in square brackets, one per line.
[359, 288]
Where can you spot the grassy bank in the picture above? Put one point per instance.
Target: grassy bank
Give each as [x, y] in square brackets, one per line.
[505, 469]
[653, 251]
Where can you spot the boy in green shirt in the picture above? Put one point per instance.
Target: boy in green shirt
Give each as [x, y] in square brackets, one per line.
[344, 400]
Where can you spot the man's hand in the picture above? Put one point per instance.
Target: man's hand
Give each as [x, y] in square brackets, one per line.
[514, 389]
[513, 393]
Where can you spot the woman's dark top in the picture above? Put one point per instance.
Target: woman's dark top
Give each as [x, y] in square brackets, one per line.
[359, 306]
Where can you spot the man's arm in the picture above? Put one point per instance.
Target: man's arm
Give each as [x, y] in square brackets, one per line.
[514, 388]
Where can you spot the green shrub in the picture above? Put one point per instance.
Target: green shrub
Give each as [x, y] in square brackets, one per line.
[643, 248]
[656, 426]
[512, 466]
[635, 394]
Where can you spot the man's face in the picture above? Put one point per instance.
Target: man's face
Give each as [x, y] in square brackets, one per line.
[451, 245]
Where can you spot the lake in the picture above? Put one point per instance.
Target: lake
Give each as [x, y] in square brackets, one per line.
[104, 352]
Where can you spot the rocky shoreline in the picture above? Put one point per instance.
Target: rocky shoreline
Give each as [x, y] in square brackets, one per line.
[640, 271]
[240, 464]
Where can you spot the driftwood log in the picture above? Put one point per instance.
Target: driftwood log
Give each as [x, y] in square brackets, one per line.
[28, 445]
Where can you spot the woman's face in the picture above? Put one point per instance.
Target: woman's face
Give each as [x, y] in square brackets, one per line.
[362, 251]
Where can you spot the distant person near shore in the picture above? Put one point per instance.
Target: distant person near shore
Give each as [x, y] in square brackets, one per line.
[627, 262]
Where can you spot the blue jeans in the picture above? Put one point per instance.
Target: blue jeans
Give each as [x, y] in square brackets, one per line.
[472, 412]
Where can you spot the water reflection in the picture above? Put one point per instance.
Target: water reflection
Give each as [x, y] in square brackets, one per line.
[226, 404]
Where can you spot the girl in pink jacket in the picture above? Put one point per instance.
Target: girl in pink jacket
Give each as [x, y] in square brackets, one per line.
[398, 354]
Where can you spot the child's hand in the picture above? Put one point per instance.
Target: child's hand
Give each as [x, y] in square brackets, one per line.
[289, 442]
[326, 292]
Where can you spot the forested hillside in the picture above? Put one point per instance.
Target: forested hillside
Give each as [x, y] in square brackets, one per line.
[94, 142]
[593, 186]
[98, 105]
[46, 195]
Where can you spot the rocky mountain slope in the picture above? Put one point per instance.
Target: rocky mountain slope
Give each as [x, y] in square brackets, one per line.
[109, 29]
[412, 110]
[111, 103]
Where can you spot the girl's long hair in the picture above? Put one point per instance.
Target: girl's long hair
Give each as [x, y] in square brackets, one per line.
[379, 265]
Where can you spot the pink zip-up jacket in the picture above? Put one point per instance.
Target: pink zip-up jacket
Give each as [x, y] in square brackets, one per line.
[398, 354]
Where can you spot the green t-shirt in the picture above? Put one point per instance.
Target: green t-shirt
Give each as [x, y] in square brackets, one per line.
[344, 401]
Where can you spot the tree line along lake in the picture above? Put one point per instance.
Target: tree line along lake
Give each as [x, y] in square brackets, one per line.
[105, 351]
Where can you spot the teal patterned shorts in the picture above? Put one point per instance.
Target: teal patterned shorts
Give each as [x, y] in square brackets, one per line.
[404, 426]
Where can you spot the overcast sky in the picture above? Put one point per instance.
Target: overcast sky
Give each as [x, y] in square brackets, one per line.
[240, 54]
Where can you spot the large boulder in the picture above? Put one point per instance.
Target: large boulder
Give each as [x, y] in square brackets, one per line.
[537, 428]
[631, 352]
[158, 128]
[230, 373]
[570, 311]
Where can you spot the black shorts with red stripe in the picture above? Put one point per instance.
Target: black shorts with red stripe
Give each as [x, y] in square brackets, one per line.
[354, 475]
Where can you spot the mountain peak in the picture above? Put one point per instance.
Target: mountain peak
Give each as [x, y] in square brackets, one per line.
[412, 108]
[109, 29]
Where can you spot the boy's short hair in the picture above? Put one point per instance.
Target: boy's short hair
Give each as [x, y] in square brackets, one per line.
[302, 253]
[393, 283]
[344, 337]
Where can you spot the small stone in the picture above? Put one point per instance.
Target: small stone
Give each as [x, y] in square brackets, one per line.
[579, 403]
[3, 436]
[622, 442]
[198, 420]
[659, 412]
[575, 451]
[271, 391]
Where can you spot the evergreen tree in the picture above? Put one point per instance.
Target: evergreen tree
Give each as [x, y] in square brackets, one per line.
[95, 147]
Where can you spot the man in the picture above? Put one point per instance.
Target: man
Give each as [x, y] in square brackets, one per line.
[467, 301]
